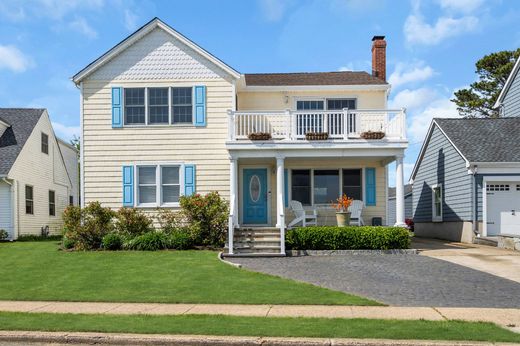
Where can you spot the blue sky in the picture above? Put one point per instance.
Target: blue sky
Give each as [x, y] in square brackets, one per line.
[432, 45]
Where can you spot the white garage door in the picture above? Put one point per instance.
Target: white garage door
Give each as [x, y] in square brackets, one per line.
[6, 211]
[503, 208]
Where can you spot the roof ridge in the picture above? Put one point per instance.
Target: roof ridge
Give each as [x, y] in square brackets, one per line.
[307, 72]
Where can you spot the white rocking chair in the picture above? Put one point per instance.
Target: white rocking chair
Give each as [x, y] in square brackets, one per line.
[356, 208]
[300, 215]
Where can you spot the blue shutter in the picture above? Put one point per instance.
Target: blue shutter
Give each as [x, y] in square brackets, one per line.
[286, 187]
[189, 180]
[128, 186]
[199, 118]
[117, 107]
[370, 186]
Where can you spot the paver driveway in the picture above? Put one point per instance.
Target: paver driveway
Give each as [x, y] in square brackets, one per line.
[401, 280]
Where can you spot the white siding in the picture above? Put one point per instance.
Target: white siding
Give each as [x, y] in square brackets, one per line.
[71, 157]
[6, 208]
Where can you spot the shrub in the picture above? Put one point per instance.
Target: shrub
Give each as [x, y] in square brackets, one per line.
[132, 222]
[112, 241]
[150, 241]
[179, 241]
[208, 218]
[67, 243]
[87, 227]
[33, 237]
[170, 220]
[3, 234]
[347, 238]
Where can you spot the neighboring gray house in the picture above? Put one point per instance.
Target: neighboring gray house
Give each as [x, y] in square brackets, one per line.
[466, 180]
[408, 212]
[508, 101]
[38, 173]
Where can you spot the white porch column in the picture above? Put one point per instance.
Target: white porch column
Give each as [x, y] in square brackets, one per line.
[233, 187]
[280, 209]
[399, 192]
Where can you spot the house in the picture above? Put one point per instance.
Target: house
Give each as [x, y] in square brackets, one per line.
[408, 212]
[508, 102]
[466, 181]
[162, 117]
[35, 173]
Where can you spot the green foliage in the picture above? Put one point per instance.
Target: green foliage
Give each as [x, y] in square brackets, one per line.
[67, 243]
[151, 241]
[33, 237]
[347, 238]
[131, 222]
[208, 218]
[479, 98]
[86, 227]
[179, 241]
[112, 241]
[3, 234]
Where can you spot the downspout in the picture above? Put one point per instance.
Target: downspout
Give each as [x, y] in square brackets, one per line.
[474, 198]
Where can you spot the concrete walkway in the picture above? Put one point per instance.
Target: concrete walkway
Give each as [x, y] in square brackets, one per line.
[499, 262]
[505, 317]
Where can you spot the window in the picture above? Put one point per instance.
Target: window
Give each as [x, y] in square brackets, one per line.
[134, 106]
[326, 186]
[301, 186]
[352, 183]
[498, 187]
[158, 185]
[71, 200]
[52, 203]
[29, 202]
[305, 105]
[437, 203]
[158, 106]
[45, 143]
[337, 104]
[182, 109]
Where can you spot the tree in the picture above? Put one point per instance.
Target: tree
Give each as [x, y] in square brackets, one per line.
[479, 98]
[75, 142]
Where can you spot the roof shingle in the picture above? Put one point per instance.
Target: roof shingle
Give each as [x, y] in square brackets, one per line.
[312, 78]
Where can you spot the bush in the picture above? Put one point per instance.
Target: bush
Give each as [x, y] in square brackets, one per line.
[132, 222]
[347, 238]
[67, 243]
[3, 234]
[87, 227]
[112, 241]
[208, 218]
[33, 237]
[170, 221]
[150, 241]
[179, 241]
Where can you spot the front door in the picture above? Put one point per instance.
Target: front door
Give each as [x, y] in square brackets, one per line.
[255, 196]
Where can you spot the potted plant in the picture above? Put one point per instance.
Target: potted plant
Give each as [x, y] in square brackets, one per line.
[342, 214]
[373, 135]
[316, 136]
[259, 136]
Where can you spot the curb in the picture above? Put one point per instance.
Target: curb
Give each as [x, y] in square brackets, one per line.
[221, 258]
[298, 253]
[207, 340]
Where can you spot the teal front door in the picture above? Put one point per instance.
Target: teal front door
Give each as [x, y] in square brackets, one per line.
[254, 196]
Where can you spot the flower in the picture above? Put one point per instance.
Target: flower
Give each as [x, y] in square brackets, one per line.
[342, 204]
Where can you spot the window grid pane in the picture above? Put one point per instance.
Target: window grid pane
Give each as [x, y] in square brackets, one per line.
[158, 105]
[182, 107]
[52, 203]
[29, 203]
[338, 104]
[134, 106]
[326, 186]
[301, 186]
[45, 143]
[352, 183]
[170, 184]
[147, 184]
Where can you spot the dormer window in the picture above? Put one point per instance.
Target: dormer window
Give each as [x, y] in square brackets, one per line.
[45, 143]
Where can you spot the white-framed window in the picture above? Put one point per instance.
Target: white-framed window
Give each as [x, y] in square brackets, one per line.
[437, 203]
[45, 143]
[29, 200]
[158, 184]
[158, 106]
[52, 203]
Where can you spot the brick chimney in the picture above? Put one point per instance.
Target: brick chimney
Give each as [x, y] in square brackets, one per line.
[379, 57]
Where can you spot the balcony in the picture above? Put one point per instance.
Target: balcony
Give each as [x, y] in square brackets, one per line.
[340, 125]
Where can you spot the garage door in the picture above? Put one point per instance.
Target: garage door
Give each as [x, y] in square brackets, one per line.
[503, 208]
[6, 211]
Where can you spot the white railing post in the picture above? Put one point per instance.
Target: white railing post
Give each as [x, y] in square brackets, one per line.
[232, 205]
[280, 208]
[291, 133]
[403, 123]
[345, 123]
[325, 122]
[231, 125]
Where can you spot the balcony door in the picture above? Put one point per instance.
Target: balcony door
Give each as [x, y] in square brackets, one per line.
[314, 121]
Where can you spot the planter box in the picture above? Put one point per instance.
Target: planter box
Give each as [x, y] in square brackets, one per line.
[317, 136]
[259, 136]
[373, 135]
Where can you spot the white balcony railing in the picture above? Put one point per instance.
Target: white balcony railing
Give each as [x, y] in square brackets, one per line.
[341, 125]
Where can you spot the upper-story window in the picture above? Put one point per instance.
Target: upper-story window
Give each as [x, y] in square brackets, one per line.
[306, 105]
[45, 143]
[155, 106]
[325, 104]
[336, 104]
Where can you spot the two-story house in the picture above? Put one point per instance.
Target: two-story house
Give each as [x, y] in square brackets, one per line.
[38, 173]
[162, 117]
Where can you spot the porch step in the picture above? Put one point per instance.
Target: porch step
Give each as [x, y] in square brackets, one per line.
[488, 241]
[256, 241]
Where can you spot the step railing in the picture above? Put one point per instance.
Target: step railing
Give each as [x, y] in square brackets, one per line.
[338, 124]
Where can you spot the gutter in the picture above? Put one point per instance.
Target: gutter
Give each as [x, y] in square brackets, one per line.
[474, 200]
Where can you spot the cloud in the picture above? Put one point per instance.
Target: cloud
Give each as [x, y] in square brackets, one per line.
[410, 73]
[65, 132]
[440, 108]
[273, 10]
[130, 20]
[419, 32]
[54, 9]
[13, 59]
[414, 99]
[464, 6]
[81, 25]
[347, 67]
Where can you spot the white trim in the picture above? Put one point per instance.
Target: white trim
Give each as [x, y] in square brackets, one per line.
[315, 150]
[240, 193]
[137, 35]
[158, 192]
[436, 218]
[507, 85]
[81, 150]
[269, 88]
[4, 123]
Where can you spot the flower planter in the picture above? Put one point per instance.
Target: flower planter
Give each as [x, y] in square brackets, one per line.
[373, 135]
[316, 136]
[343, 218]
[259, 136]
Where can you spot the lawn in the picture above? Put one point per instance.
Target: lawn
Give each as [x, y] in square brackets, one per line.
[39, 271]
[259, 326]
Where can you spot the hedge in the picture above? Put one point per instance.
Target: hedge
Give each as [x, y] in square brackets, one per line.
[347, 238]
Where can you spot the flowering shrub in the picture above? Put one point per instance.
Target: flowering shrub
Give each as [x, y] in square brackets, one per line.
[410, 224]
[342, 204]
[132, 222]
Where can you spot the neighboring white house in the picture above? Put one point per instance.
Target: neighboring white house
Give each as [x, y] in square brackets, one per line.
[162, 117]
[35, 183]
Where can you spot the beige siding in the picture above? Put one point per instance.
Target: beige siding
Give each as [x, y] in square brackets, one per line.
[71, 157]
[43, 172]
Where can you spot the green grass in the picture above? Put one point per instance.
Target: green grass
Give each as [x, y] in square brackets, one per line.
[258, 326]
[39, 271]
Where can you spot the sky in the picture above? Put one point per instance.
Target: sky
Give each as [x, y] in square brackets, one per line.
[431, 52]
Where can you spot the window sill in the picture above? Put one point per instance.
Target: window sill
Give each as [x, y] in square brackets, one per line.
[437, 220]
[157, 126]
[156, 206]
